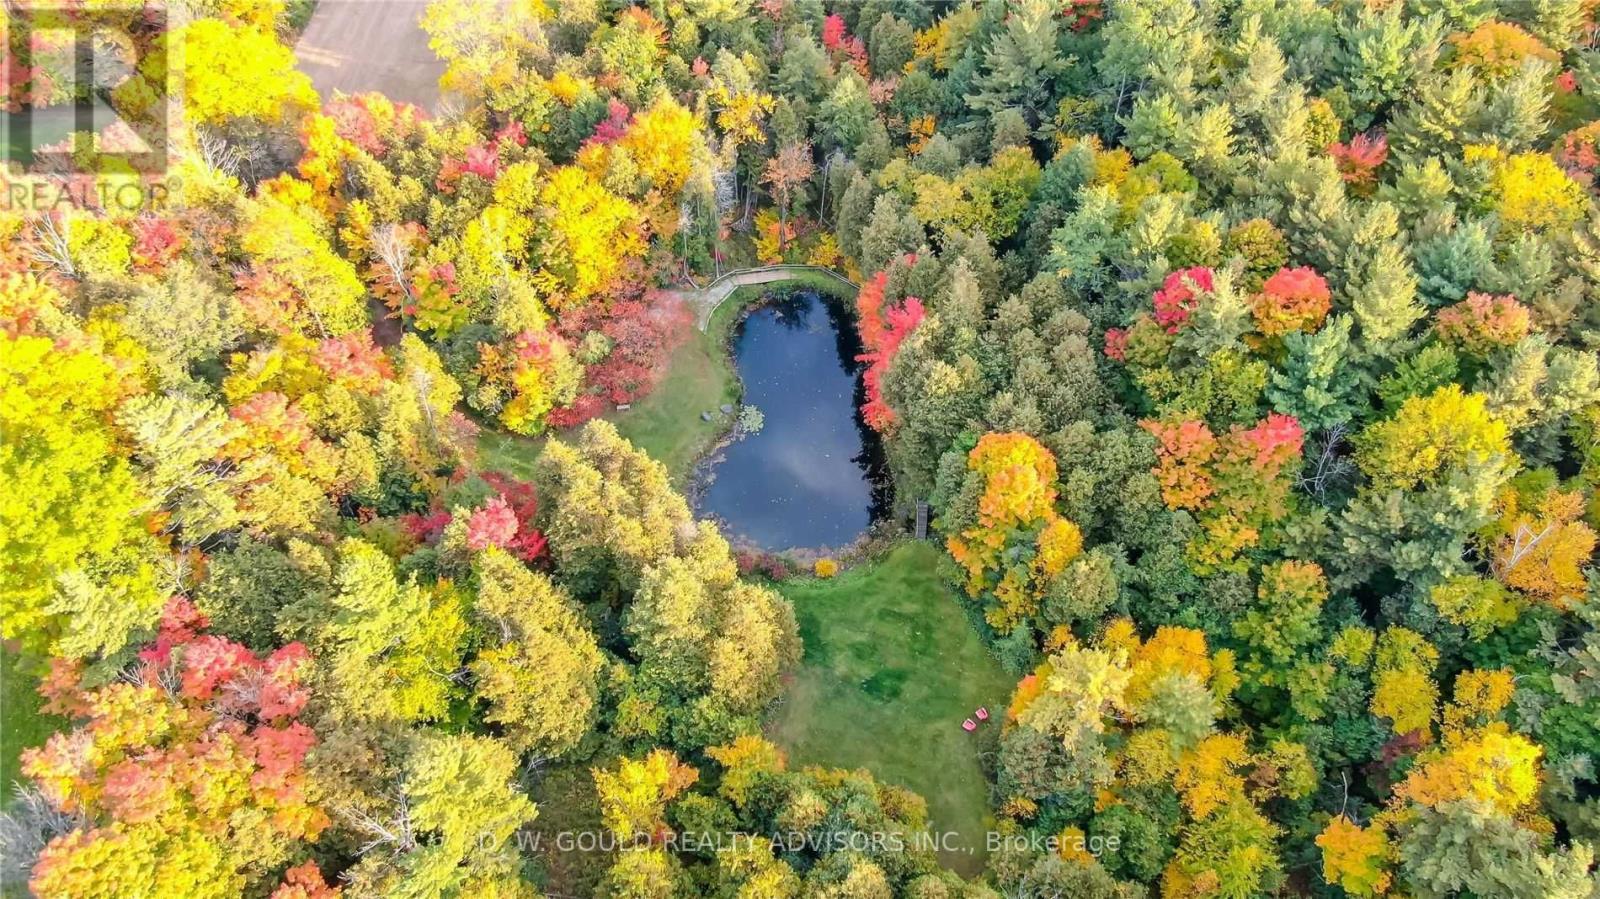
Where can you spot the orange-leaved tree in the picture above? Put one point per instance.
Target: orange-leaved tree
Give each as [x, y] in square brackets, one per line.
[1019, 542]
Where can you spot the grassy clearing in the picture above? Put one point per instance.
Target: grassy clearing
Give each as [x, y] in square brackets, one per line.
[891, 668]
[666, 424]
[508, 453]
[22, 725]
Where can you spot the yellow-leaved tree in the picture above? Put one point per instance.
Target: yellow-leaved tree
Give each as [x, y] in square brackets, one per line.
[238, 72]
[1017, 542]
[584, 236]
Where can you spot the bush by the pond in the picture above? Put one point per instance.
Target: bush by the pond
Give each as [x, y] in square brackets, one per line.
[825, 568]
[755, 563]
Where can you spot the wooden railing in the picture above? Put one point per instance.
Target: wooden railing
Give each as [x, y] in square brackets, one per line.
[731, 281]
[786, 266]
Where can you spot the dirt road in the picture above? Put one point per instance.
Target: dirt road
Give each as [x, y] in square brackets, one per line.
[371, 45]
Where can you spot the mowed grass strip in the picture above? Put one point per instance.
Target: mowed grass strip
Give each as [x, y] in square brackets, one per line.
[891, 668]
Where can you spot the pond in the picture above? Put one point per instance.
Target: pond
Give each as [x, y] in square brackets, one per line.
[813, 476]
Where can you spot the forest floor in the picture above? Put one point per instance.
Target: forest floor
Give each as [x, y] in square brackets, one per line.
[22, 724]
[892, 666]
[567, 806]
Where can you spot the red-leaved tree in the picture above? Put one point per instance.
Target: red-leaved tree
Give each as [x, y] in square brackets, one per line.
[183, 777]
[882, 331]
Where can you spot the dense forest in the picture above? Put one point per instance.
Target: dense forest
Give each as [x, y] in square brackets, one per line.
[1243, 350]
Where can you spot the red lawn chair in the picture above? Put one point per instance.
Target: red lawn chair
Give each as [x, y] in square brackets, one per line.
[969, 725]
[983, 713]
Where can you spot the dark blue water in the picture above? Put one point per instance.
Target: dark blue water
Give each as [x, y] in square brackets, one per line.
[813, 476]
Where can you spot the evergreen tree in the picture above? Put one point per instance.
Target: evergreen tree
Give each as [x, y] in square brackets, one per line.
[1317, 383]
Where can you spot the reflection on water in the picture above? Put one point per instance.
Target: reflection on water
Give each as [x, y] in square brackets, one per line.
[813, 475]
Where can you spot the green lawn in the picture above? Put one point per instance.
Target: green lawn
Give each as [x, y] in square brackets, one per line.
[508, 453]
[22, 725]
[891, 668]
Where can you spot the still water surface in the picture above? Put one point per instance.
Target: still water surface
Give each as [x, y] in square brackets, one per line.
[813, 476]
